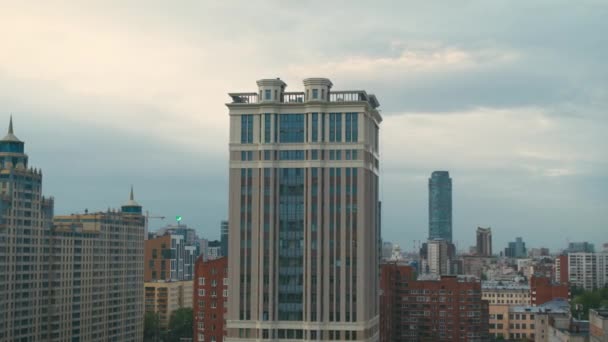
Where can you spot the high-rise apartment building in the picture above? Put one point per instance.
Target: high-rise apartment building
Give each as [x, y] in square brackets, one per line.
[588, 270]
[25, 221]
[580, 247]
[97, 277]
[440, 206]
[303, 212]
[210, 296]
[484, 241]
[224, 238]
[71, 278]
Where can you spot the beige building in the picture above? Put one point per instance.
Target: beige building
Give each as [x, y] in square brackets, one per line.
[303, 213]
[97, 276]
[437, 257]
[165, 297]
[526, 323]
[598, 325]
[505, 292]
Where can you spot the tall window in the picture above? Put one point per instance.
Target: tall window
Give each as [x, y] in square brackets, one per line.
[315, 93]
[267, 94]
[291, 128]
[315, 127]
[247, 129]
[267, 121]
[351, 127]
[335, 127]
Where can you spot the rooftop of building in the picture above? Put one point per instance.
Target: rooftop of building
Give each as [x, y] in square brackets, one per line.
[602, 312]
[557, 305]
[503, 285]
[300, 96]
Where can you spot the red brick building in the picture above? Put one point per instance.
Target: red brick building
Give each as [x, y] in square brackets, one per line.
[543, 289]
[561, 269]
[445, 309]
[210, 294]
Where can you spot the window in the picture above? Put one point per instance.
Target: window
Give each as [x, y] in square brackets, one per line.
[267, 121]
[291, 155]
[291, 128]
[201, 280]
[246, 129]
[351, 127]
[315, 93]
[201, 292]
[315, 127]
[267, 94]
[335, 127]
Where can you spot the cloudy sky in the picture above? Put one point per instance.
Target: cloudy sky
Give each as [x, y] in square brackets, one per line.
[509, 96]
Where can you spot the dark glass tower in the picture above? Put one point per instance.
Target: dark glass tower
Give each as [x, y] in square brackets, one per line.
[440, 206]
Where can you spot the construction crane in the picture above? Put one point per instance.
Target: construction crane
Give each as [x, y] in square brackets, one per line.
[148, 217]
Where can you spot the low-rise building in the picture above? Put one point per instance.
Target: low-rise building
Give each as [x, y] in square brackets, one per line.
[505, 292]
[526, 323]
[598, 325]
[164, 297]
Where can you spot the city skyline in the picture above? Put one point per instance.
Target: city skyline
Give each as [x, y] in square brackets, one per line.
[516, 119]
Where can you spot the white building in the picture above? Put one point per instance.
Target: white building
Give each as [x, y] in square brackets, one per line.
[438, 257]
[588, 270]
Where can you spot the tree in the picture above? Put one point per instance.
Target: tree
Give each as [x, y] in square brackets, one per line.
[180, 324]
[150, 326]
[589, 300]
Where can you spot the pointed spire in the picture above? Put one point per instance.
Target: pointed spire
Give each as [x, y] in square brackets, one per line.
[131, 196]
[10, 136]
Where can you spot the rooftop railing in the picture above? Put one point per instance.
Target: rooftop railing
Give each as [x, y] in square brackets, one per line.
[299, 97]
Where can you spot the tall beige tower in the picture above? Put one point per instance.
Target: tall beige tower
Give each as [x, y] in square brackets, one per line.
[304, 213]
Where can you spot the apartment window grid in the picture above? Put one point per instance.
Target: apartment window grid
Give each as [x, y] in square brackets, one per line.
[291, 128]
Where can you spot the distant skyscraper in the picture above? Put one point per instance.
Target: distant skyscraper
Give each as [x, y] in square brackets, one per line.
[484, 241]
[224, 238]
[303, 213]
[440, 206]
[516, 249]
[581, 247]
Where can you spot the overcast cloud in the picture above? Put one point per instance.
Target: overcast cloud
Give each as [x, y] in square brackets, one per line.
[510, 97]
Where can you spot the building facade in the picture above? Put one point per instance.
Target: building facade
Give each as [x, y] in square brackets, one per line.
[164, 297]
[440, 206]
[449, 308]
[209, 299]
[484, 242]
[588, 270]
[303, 212]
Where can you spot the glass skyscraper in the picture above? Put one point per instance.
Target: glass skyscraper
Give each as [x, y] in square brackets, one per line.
[303, 213]
[440, 206]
